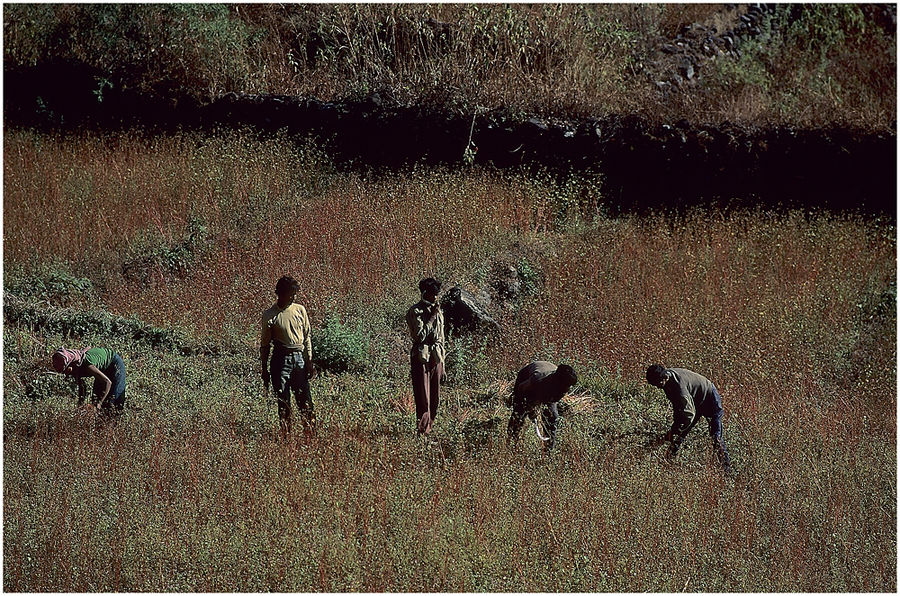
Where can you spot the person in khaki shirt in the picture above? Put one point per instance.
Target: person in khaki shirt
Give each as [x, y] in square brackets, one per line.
[693, 396]
[426, 326]
[286, 324]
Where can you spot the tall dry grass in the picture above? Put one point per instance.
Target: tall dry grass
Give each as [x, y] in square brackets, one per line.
[791, 315]
[813, 66]
[272, 209]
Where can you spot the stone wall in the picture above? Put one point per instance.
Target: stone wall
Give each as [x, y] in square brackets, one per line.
[644, 164]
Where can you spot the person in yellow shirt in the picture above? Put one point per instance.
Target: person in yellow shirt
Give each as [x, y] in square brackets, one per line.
[286, 324]
[426, 326]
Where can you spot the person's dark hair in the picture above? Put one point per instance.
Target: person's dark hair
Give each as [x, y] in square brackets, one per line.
[429, 283]
[567, 374]
[286, 285]
[656, 373]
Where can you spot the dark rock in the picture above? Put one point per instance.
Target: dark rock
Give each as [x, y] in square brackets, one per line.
[669, 48]
[463, 314]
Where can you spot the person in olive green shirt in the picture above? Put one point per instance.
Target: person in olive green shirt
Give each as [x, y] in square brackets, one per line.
[693, 396]
[426, 326]
[539, 386]
[105, 366]
[286, 324]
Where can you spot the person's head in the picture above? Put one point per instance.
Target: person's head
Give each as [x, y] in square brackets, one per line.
[286, 288]
[429, 288]
[657, 375]
[65, 360]
[566, 375]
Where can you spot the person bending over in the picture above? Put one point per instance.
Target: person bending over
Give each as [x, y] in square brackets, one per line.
[693, 396]
[539, 386]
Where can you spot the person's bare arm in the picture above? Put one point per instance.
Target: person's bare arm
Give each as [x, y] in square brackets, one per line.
[99, 377]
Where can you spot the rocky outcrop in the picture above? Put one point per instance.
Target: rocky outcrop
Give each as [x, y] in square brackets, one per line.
[464, 313]
[680, 61]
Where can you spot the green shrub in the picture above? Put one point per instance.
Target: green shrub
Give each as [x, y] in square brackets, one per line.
[77, 323]
[467, 361]
[52, 282]
[530, 277]
[340, 347]
[154, 255]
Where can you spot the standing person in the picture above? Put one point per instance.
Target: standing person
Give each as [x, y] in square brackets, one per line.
[286, 324]
[426, 326]
[693, 396]
[540, 384]
[104, 365]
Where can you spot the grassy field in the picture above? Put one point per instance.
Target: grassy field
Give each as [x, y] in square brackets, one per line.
[791, 314]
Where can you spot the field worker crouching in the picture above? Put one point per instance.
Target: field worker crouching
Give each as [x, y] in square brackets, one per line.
[692, 396]
[541, 384]
[286, 324]
[426, 358]
[104, 365]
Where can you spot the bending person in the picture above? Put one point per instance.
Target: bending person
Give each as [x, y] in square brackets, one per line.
[693, 396]
[105, 366]
[539, 386]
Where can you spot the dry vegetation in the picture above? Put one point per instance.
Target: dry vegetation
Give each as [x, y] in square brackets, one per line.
[814, 66]
[791, 314]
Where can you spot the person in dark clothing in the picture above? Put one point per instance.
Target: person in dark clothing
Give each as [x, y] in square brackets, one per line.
[426, 357]
[693, 396]
[104, 365]
[539, 386]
